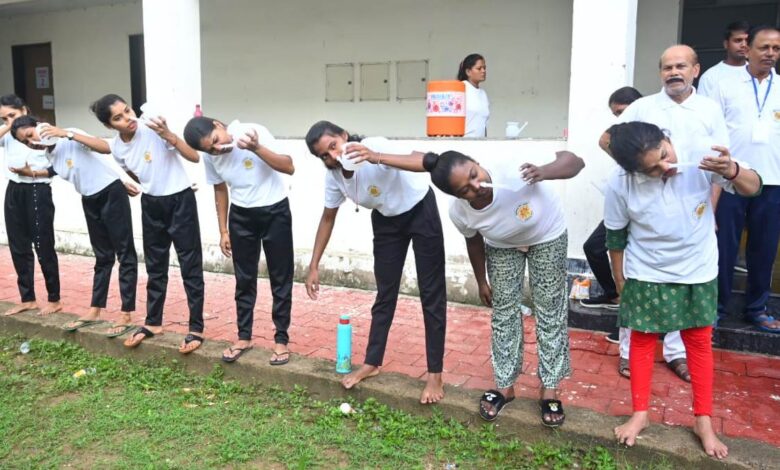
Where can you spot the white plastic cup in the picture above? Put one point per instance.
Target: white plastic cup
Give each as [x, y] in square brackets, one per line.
[51, 140]
[149, 111]
[346, 163]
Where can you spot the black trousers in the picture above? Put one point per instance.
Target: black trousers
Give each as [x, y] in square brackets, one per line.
[269, 227]
[422, 226]
[110, 227]
[596, 252]
[166, 220]
[29, 222]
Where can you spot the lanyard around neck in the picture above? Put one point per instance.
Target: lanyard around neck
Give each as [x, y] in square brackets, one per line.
[755, 90]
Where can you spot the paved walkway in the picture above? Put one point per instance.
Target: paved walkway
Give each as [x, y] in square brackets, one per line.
[747, 387]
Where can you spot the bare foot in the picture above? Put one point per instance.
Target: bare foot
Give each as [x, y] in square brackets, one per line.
[628, 432]
[709, 440]
[354, 378]
[51, 307]
[434, 389]
[22, 307]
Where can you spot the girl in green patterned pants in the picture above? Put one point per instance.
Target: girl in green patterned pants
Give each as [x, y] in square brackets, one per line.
[508, 218]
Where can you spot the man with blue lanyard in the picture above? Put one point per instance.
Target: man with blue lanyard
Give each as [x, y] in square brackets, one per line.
[751, 107]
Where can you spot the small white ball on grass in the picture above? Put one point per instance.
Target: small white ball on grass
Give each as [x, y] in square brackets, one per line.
[345, 408]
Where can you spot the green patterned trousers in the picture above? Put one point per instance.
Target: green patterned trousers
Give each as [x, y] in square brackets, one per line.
[547, 274]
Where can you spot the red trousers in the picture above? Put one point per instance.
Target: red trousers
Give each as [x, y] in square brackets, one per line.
[698, 349]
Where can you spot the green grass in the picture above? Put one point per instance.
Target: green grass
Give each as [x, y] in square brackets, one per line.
[133, 414]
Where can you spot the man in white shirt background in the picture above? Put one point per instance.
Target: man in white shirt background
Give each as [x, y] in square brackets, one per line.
[735, 44]
[689, 119]
[751, 107]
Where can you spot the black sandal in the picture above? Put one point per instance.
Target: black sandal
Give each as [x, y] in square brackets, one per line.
[147, 333]
[240, 351]
[189, 339]
[680, 368]
[552, 407]
[497, 400]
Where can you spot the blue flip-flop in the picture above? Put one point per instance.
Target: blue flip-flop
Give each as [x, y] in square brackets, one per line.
[764, 318]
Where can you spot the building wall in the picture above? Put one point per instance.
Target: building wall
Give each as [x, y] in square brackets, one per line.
[90, 55]
[658, 25]
[265, 61]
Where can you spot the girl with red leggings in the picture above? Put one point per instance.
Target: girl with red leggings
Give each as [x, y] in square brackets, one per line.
[664, 256]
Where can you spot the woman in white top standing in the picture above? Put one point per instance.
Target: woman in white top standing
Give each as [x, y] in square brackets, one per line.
[245, 158]
[473, 71]
[29, 215]
[150, 152]
[106, 208]
[403, 210]
[509, 217]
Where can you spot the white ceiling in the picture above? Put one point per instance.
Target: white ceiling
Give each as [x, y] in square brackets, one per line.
[10, 8]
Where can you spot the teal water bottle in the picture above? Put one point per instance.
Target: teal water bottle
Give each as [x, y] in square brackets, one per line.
[344, 346]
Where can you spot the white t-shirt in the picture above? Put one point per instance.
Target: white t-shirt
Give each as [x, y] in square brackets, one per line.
[521, 215]
[89, 172]
[671, 226]
[157, 165]
[388, 190]
[477, 111]
[738, 101]
[17, 154]
[251, 181]
[711, 79]
[697, 119]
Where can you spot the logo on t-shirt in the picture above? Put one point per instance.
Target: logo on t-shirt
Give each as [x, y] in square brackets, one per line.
[699, 210]
[248, 164]
[524, 212]
[776, 113]
[374, 191]
[69, 163]
[148, 157]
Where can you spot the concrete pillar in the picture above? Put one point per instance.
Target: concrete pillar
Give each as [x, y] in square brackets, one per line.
[172, 55]
[602, 60]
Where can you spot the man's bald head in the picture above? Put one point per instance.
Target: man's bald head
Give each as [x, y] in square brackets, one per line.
[680, 50]
[679, 67]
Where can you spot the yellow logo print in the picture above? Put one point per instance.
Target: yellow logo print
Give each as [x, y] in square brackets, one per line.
[148, 157]
[69, 163]
[374, 191]
[248, 163]
[524, 212]
[777, 114]
[700, 208]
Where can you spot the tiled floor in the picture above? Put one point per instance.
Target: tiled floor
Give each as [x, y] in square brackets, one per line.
[747, 387]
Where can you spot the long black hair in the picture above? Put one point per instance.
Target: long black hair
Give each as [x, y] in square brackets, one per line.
[629, 141]
[102, 107]
[468, 63]
[440, 167]
[321, 128]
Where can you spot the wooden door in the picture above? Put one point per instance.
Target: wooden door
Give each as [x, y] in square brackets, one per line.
[34, 79]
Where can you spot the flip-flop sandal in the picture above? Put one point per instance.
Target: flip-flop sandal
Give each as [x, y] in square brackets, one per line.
[624, 369]
[680, 367]
[147, 333]
[552, 407]
[189, 339]
[497, 400]
[78, 324]
[124, 329]
[240, 351]
[760, 320]
[280, 362]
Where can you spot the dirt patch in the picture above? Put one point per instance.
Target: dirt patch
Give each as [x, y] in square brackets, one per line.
[65, 397]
